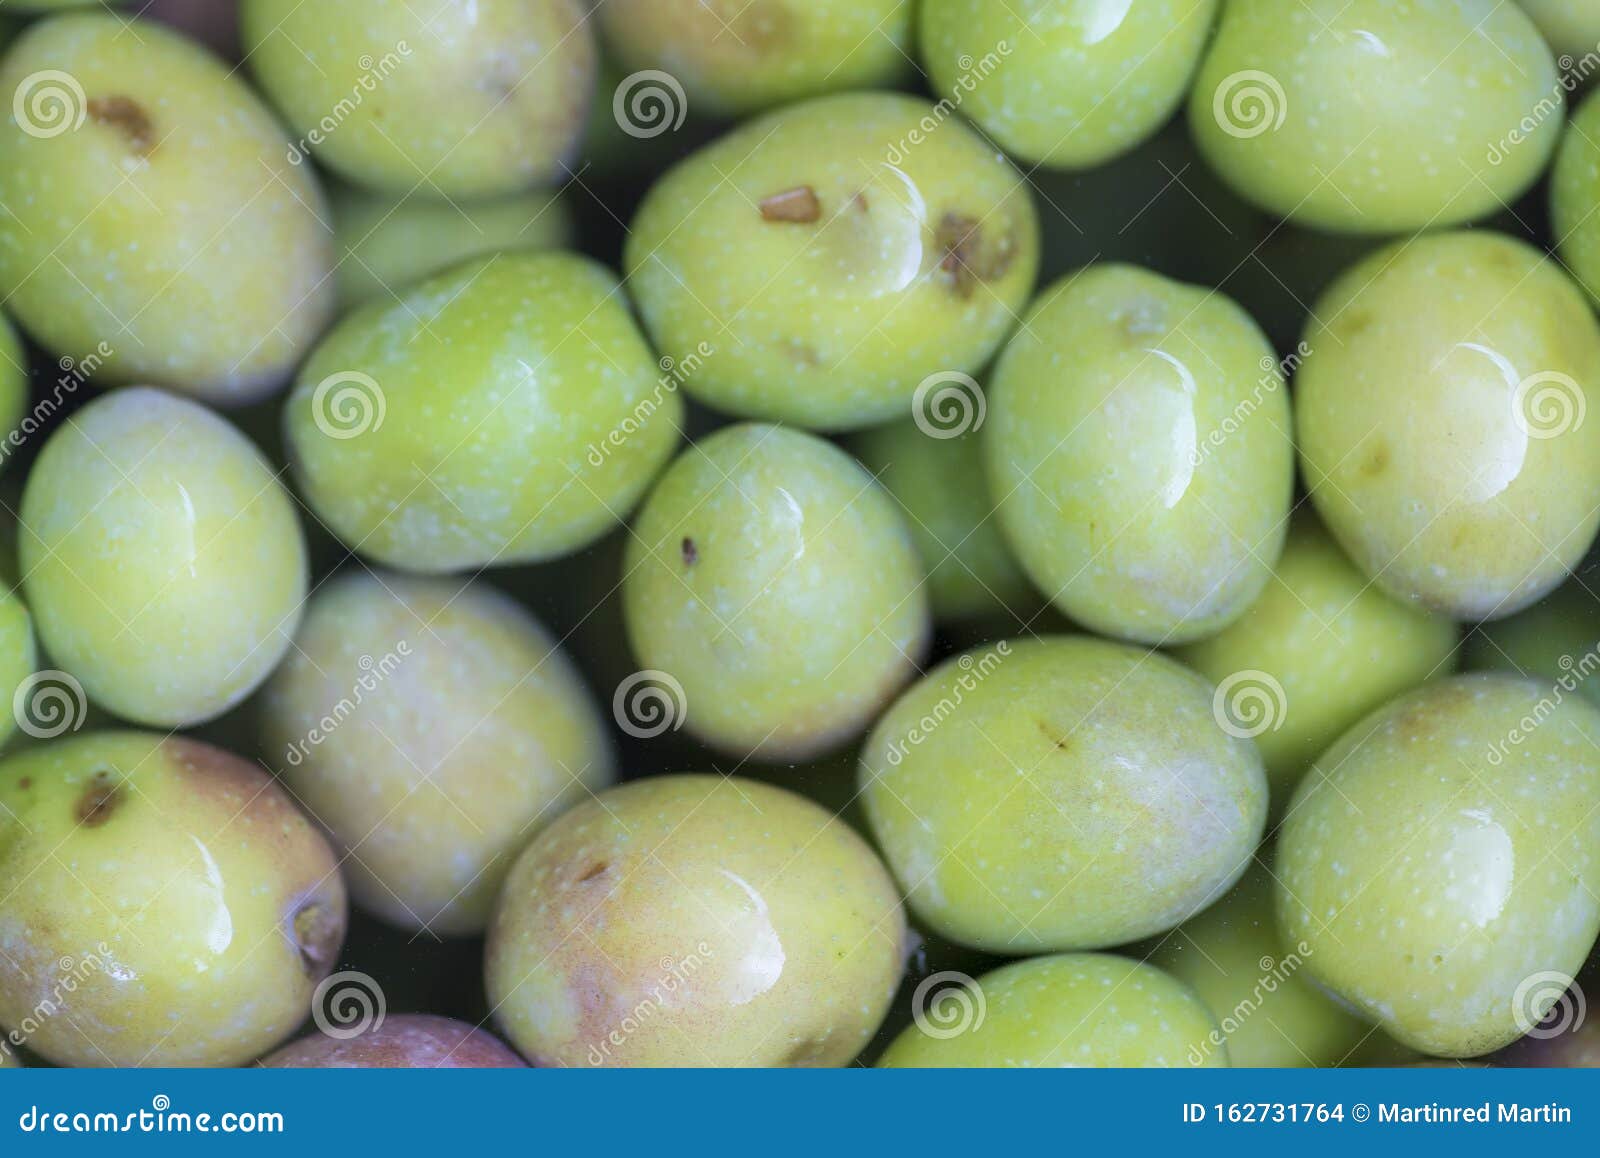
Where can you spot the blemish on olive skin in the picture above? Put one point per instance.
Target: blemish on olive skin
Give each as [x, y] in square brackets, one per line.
[803, 1053]
[798, 205]
[128, 117]
[25, 783]
[691, 553]
[967, 260]
[859, 201]
[1061, 743]
[98, 801]
[804, 355]
[595, 870]
[317, 934]
[1354, 324]
[1376, 461]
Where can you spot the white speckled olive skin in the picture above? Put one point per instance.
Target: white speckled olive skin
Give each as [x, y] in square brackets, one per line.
[1075, 1010]
[460, 101]
[1250, 977]
[734, 56]
[1064, 85]
[1433, 862]
[197, 906]
[1574, 192]
[170, 227]
[943, 493]
[923, 249]
[1370, 116]
[1138, 446]
[1063, 793]
[1440, 421]
[695, 920]
[777, 583]
[458, 727]
[386, 244]
[1338, 645]
[522, 415]
[162, 560]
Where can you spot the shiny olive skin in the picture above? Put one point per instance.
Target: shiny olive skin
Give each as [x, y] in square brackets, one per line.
[1440, 415]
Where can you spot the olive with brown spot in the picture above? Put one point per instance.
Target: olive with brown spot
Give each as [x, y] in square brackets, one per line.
[168, 898]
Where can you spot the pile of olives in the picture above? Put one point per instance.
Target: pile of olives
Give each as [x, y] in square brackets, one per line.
[798, 532]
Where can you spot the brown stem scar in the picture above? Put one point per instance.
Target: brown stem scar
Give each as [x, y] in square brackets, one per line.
[126, 115]
[966, 259]
[98, 801]
[798, 205]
